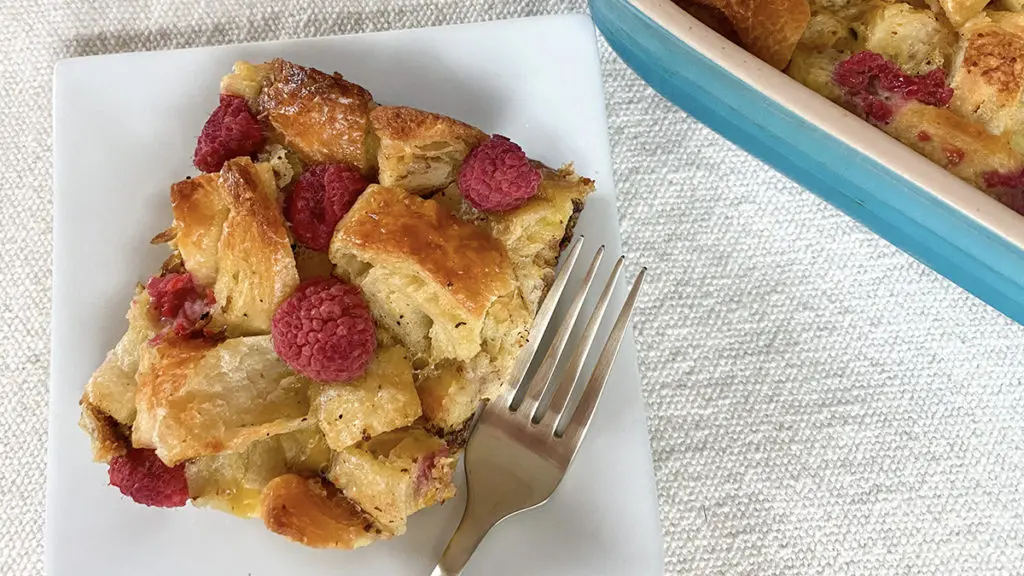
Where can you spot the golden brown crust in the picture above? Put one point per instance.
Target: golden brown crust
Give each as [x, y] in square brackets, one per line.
[111, 388]
[535, 233]
[321, 117]
[419, 151]
[313, 512]
[989, 81]
[712, 17]
[770, 29]
[963, 147]
[105, 433]
[421, 127]
[199, 213]
[256, 269]
[197, 398]
[390, 226]
[231, 234]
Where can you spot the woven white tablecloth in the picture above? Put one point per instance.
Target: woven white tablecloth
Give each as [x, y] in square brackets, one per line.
[819, 403]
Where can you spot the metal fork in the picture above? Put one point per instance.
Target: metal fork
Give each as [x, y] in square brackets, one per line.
[525, 440]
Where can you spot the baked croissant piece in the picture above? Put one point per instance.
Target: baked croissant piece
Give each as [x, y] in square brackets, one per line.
[346, 283]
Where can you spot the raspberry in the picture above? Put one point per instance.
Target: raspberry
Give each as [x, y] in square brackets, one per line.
[319, 200]
[230, 131]
[425, 470]
[1004, 180]
[1007, 187]
[497, 176]
[143, 477]
[324, 331]
[876, 87]
[179, 301]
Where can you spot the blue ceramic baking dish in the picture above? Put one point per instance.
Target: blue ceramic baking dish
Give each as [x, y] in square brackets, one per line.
[948, 225]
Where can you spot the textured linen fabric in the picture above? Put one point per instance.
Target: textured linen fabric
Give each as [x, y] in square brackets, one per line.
[819, 403]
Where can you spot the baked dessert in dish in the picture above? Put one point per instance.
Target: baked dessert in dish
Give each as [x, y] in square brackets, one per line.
[346, 283]
[945, 77]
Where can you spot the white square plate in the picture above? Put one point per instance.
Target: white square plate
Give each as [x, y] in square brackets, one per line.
[124, 130]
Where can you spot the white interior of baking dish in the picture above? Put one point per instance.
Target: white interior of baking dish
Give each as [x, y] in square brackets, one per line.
[832, 118]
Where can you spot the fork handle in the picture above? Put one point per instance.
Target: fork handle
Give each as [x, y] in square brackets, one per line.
[471, 531]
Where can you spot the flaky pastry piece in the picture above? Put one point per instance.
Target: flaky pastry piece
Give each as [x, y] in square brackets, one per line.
[534, 236]
[234, 481]
[427, 275]
[444, 287]
[535, 233]
[988, 77]
[111, 389]
[198, 397]
[420, 151]
[312, 511]
[914, 38]
[381, 400]
[230, 232]
[393, 475]
[712, 17]
[769, 29]
[450, 391]
[321, 117]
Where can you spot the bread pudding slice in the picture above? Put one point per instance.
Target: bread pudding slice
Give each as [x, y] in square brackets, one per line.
[198, 401]
[197, 397]
[231, 235]
[393, 475]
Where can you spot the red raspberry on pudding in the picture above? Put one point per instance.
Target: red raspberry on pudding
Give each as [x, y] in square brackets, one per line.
[143, 477]
[497, 176]
[180, 301]
[876, 88]
[230, 131]
[319, 200]
[324, 331]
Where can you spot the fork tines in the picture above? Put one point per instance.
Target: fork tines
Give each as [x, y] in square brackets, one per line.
[544, 403]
